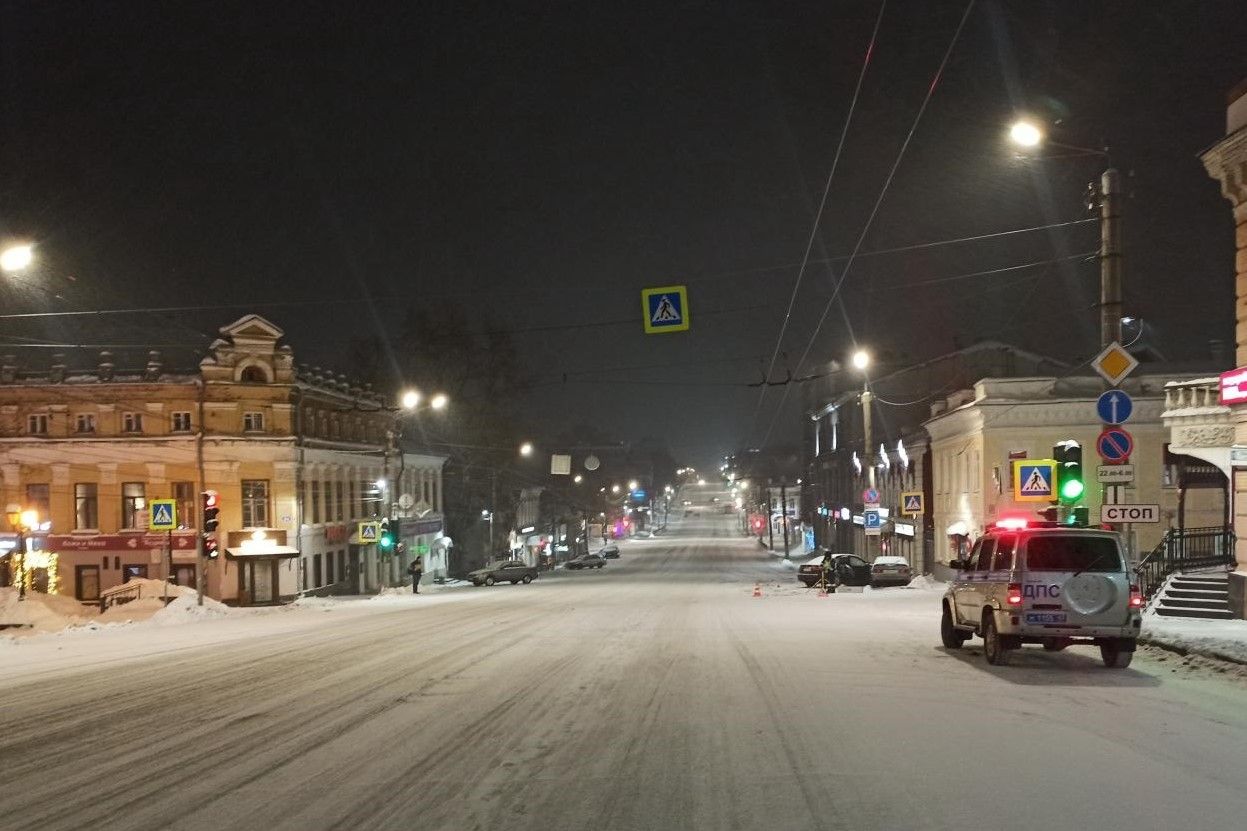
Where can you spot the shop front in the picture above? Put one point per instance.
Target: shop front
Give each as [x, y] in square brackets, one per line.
[420, 536]
[258, 555]
[83, 565]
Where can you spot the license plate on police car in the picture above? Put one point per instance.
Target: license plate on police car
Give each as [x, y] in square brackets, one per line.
[1045, 617]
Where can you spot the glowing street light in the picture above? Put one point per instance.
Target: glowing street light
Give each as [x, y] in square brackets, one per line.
[526, 449]
[578, 478]
[1025, 134]
[614, 489]
[16, 257]
[410, 400]
[632, 485]
[861, 359]
[439, 401]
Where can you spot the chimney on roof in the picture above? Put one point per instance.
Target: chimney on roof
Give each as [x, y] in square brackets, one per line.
[154, 366]
[106, 366]
[8, 369]
[56, 374]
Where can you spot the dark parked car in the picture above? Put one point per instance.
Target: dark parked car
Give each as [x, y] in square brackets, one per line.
[610, 552]
[587, 561]
[846, 570]
[511, 571]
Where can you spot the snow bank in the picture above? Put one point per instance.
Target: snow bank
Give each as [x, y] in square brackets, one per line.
[40, 612]
[186, 609]
[1222, 639]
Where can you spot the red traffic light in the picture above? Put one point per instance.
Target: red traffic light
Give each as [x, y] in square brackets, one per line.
[210, 499]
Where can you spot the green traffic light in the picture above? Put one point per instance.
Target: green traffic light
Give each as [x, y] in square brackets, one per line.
[1071, 489]
[386, 542]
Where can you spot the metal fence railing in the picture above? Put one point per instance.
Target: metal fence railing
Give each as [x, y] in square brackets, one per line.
[1185, 550]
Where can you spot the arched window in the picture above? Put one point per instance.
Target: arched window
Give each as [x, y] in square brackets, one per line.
[253, 375]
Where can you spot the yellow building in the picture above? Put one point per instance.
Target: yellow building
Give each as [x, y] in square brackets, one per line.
[298, 459]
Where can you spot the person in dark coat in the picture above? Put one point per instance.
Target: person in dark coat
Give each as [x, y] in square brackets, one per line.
[416, 570]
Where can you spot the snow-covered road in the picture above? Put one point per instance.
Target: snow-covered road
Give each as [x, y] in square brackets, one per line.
[655, 694]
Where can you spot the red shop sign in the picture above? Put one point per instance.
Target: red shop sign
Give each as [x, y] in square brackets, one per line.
[182, 541]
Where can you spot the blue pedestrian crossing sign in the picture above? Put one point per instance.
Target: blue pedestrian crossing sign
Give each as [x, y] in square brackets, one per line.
[1034, 480]
[665, 309]
[163, 515]
[912, 503]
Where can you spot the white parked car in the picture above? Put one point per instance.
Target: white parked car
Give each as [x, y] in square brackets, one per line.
[890, 571]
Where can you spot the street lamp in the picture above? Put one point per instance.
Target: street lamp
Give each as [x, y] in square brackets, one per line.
[22, 522]
[410, 400]
[1025, 134]
[614, 489]
[578, 478]
[16, 257]
[526, 449]
[632, 485]
[439, 401]
[861, 361]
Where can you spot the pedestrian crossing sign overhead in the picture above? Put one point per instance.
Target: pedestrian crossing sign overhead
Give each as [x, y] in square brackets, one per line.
[911, 503]
[163, 515]
[1034, 480]
[665, 309]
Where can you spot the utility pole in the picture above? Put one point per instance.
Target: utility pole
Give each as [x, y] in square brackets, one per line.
[770, 514]
[1110, 256]
[868, 457]
[783, 511]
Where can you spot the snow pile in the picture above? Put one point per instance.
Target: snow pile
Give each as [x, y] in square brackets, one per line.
[1224, 639]
[40, 612]
[140, 609]
[927, 583]
[186, 609]
[325, 604]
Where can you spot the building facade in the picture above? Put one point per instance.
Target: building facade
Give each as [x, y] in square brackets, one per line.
[297, 457]
[976, 435]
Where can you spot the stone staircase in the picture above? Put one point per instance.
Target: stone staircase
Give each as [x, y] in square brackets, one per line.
[1195, 595]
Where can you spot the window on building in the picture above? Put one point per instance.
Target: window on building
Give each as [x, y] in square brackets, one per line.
[433, 501]
[86, 506]
[340, 487]
[315, 501]
[37, 424]
[255, 503]
[39, 499]
[253, 422]
[424, 491]
[84, 423]
[330, 506]
[184, 493]
[316, 572]
[133, 501]
[353, 507]
[132, 422]
[182, 422]
[329, 568]
[253, 375]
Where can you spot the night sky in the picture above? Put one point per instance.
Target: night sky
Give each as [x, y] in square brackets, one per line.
[540, 163]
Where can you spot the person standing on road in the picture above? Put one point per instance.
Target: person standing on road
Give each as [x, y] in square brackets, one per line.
[416, 570]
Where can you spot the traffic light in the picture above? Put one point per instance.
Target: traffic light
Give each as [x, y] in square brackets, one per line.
[1070, 487]
[211, 507]
[385, 539]
[212, 548]
[757, 524]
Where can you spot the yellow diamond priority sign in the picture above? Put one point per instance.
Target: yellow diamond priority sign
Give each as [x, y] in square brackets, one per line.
[1114, 363]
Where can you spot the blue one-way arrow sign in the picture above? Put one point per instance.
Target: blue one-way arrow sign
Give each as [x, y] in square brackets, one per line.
[1114, 407]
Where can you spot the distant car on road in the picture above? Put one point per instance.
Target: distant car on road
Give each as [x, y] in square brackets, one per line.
[846, 570]
[610, 552]
[890, 571]
[511, 571]
[587, 561]
[643, 534]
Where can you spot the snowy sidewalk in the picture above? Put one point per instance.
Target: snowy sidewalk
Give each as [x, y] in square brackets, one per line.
[1224, 640]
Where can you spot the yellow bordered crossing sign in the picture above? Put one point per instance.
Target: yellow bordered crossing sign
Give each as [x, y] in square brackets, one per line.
[665, 309]
[912, 503]
[162, 515]
[1034, 480]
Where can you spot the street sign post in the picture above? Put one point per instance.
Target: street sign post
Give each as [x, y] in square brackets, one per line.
[1114, 407]
[912, 502]
[1130, 513]
[1115, 445]
[665, 309]
[873, 522]
[1114, 363]
[1034, 480]
[1114, 474]
[163, 515]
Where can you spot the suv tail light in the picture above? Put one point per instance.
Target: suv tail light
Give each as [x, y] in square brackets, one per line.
[1136, 598]
[1014, 595]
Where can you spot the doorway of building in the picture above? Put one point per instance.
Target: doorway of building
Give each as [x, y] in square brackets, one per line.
[87, 582]
[184, 575]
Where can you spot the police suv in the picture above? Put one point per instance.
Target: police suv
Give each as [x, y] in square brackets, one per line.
[1040, 582]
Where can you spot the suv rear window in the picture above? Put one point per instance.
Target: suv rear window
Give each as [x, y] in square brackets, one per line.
[1071, 552]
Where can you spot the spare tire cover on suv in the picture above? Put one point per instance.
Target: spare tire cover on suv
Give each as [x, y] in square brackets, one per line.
[1089, 594]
